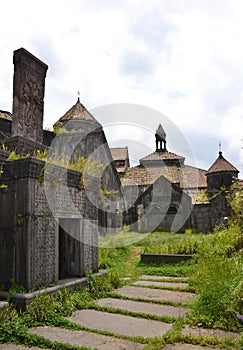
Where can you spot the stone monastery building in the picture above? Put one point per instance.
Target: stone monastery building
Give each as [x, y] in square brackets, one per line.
[61, 189]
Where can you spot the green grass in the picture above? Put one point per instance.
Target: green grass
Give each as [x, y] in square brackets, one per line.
[156, 242]
[215, 273]
[172, 243]
[50, 310]
[121, 239]
[217, 279]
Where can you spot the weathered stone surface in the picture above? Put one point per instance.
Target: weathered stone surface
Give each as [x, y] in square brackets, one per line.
[205, 332]
[120, 324]
[3, 305]
[146, 308]
[161, 284]
[82, 338]
[126, 325]
[23, 300]
[155, 294]
[28, 96]
[160, 278]
[181, 346]
[42, 222]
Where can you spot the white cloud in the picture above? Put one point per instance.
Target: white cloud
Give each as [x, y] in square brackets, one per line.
[181, 57]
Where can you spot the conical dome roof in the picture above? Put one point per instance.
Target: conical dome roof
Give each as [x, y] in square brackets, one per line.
[221, 165]
[160, 132]
[77, 113]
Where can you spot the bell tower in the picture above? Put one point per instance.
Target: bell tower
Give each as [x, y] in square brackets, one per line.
[160, 139]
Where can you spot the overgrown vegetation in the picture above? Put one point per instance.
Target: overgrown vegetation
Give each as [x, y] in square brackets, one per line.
[215, 273]
[178, 243]
[217, 279]
[235, 198]
[50, 310]
[218, 275]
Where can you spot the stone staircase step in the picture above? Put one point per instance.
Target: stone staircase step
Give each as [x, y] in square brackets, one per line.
[120, 324]
[161, 278]
[161, 284]
[83, 338]
[155, 294]
[124, 325]
[146, 308]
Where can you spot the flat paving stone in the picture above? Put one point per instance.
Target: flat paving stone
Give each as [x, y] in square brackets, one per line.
[182, 346]
[146, 308]
[161, 284]
[160, 278]
[120, 324]
[3, 305]
[155, 294]
[83, 338]
[209, 333]
[16, 347]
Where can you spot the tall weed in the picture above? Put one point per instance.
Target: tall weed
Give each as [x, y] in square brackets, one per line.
[176, 243]
[217, 279]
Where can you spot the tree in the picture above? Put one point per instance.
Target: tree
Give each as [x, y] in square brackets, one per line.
[235, 198]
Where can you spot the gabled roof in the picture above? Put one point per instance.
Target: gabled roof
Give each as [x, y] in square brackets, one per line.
[195, 177]
[185, 176]
[221, 165]
[119, 153]
[77, 113]
[138, 176]
[166, 155]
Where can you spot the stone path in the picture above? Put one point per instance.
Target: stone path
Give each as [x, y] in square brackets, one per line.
[116, 325]
[83, 338]
[156, 294]
[161, 284]
[120, 324]
[143, 307]
[163, 278]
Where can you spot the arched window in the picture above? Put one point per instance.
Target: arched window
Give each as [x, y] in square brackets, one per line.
[172, 210]
[155, 211]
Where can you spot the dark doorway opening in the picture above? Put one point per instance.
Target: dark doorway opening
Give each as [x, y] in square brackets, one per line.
[102, 221]
[69, 248]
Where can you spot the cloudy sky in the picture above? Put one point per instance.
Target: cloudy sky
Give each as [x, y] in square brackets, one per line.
[182, 58]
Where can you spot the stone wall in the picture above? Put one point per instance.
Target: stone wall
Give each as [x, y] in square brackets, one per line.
[161, 206]
[88, 141]
[206, 216]
[31, 215]
[201, 219]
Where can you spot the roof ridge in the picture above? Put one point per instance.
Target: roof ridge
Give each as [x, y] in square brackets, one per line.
[160, 155]
[77, 112]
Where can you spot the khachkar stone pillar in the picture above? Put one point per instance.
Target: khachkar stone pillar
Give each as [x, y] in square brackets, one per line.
[28, 96]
